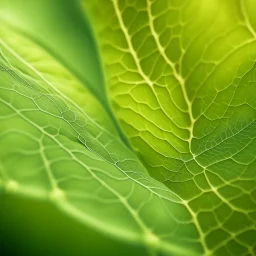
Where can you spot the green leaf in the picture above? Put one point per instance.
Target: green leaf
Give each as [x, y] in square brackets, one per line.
[57, 144]
[180, 77]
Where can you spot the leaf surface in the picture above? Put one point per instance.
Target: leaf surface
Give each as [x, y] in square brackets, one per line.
[59, 144]
[180, 76]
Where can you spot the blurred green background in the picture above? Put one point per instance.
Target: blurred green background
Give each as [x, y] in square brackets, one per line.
[32, 228]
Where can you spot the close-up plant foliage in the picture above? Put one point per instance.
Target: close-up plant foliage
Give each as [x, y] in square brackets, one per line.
[127, 127]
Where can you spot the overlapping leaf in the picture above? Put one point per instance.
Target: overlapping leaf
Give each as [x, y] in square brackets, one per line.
[181, 79]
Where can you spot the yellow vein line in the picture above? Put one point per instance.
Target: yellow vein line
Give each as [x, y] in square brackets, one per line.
[180, 79]
[128, 39]
[246, 19]
[200, 231]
